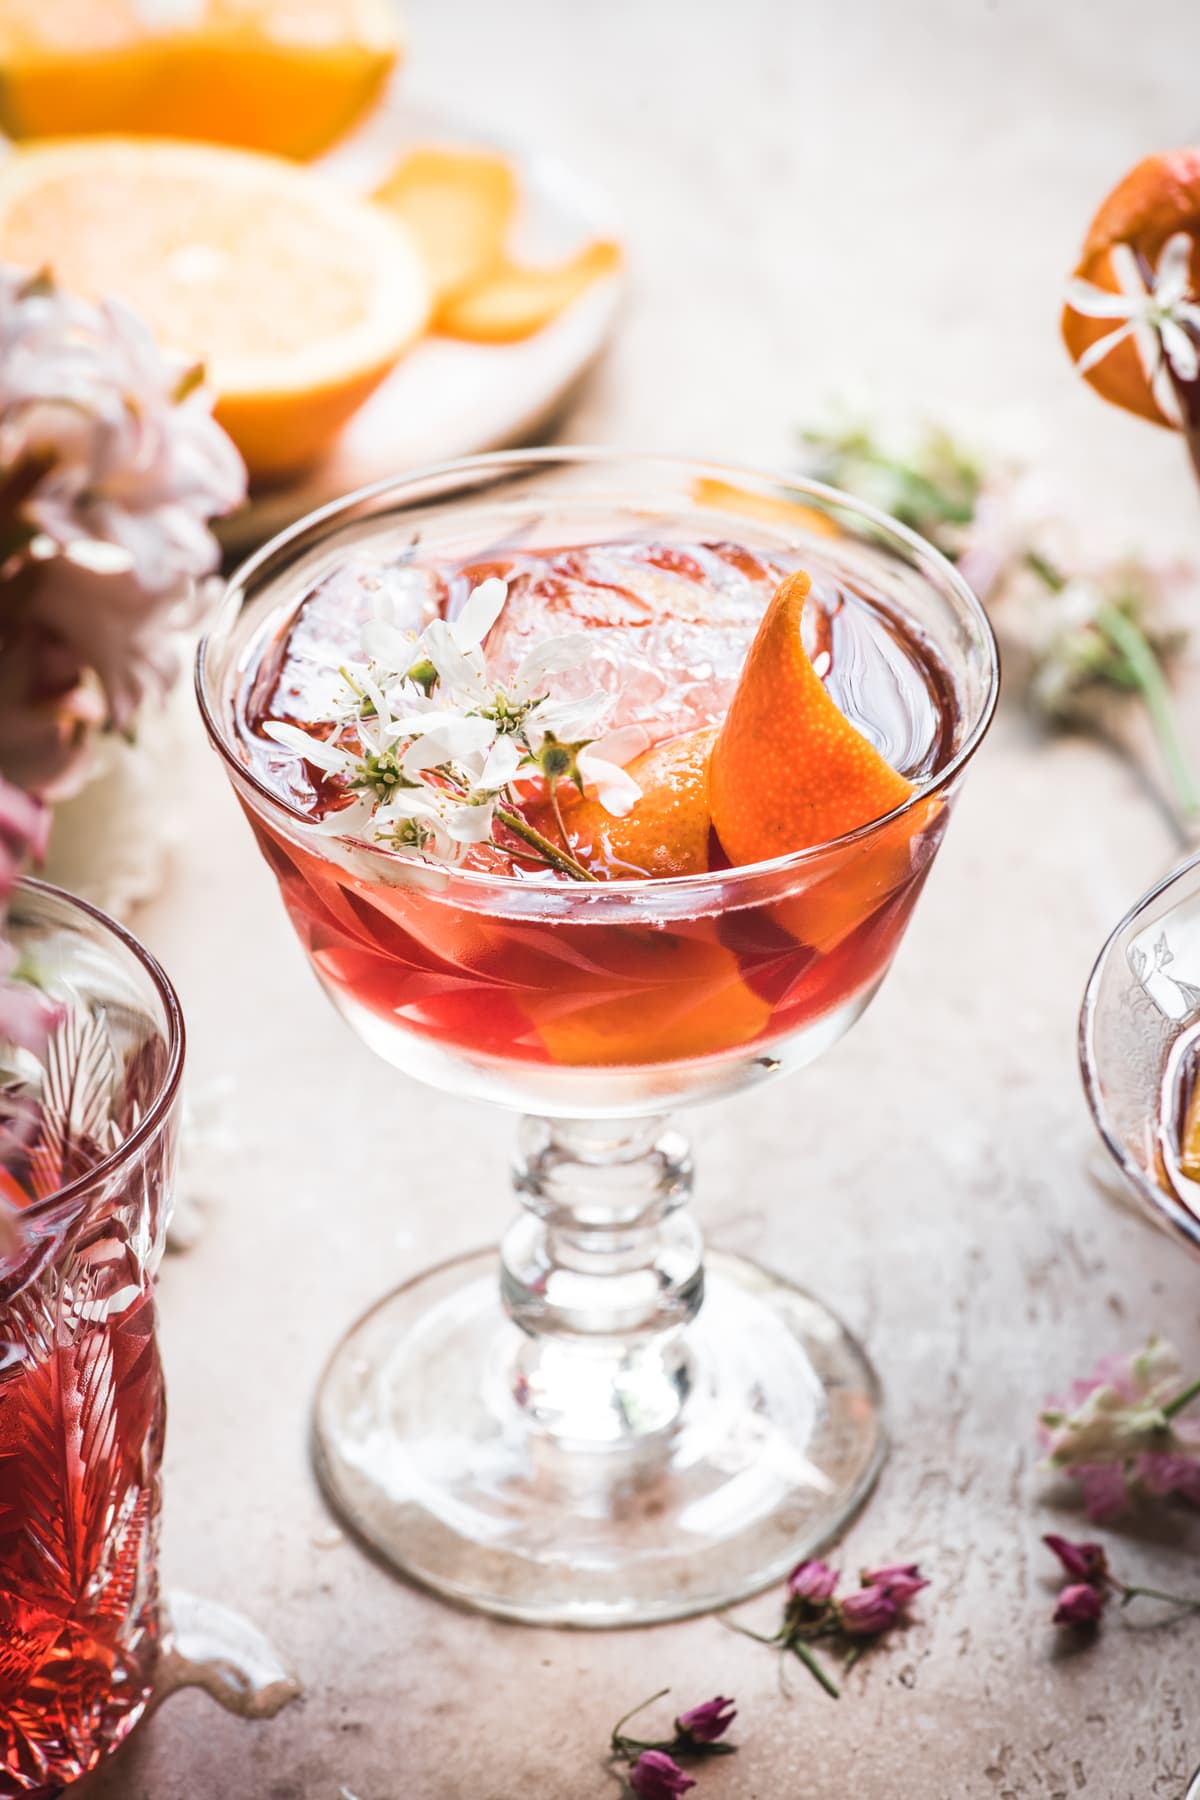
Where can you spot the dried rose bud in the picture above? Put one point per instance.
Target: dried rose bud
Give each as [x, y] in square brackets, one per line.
[1082, 1562]
[900, 1581]
[657, 1776]
[868, 1613]
[1079, 1604]
[705, 1724]
[813, 1580]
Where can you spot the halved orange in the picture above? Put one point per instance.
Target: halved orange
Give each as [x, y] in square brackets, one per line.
[288, 76]
[1157, 198]
[298, 297]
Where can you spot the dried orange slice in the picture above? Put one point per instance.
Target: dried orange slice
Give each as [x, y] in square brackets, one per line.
[511, 302]
[459, 205]
[298, 297]
[1154, 201]
[666, 832]
[288, 76]
[788, 769]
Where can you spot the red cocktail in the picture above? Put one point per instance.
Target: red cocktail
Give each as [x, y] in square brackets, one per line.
[87, 1138]
[595, 960]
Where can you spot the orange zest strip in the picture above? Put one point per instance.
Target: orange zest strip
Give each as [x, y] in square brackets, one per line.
[788, 769]
[512, 303]
[459, 205]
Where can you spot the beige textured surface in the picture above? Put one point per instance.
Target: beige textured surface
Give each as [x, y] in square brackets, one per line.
[864, 192]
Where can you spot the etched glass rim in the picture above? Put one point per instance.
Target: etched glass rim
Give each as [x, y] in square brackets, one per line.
[929, 562]
[1187, 874]
[176, 1038]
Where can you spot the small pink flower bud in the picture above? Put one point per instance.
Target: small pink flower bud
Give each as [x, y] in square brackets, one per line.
[705, 1724]
[657, 1776]
[868, 1613]
[813, 1580]
[1079, 1604]
[900, 1581]
[1082, 1562]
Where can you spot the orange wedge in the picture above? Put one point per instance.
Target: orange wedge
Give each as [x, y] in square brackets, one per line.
[288, 76]
[459, 205]
[666, 832]
[512, 303]
[298, 298]
[1157, 198]
[789, 770]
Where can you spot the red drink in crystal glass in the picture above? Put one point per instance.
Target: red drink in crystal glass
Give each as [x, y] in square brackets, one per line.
[87, 1141]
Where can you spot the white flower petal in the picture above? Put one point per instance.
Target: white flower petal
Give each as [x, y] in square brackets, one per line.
[1172, 277]
[616, 791]
[484, 606]
[1180, 350]
[313, 749]
[470, 824]
[503, 761]
[553, 656]
[622, 745]
[1102, 347]
[1097, 303]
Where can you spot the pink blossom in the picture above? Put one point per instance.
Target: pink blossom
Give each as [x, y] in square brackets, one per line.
[1080, 1604]
[1082, 1562]
[657, 1776]
[868, 1613]
[900, 1581]
[706, 1723]
[813, 1580]
[111, 466]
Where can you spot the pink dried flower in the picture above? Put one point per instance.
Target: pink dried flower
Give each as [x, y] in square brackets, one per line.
[657, 1776]
[706, 1723]
[1118, 1431]
[1080, 1604]
[868, 1613]
[813, 1580]
[900, 1581]
[1082, 1562]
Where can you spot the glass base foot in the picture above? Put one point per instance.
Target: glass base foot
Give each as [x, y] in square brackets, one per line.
[427, 1448]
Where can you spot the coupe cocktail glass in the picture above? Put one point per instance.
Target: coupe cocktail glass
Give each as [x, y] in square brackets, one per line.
[87, 1148]
[587, 1442]
[1139, 1046]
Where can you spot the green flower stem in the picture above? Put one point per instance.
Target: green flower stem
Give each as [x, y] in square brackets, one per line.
[819, 1674]
[633, 1713]
[1175, 1406]
[1146, 671]
[1149, 1593]
[558, 859]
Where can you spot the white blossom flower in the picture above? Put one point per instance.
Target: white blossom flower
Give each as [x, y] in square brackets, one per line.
[1165, 313]
[429, 744]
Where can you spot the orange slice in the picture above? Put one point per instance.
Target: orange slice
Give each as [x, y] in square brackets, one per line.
[776, 509]
[789, 770]
[666, 832]
[459, 205]
[1157, 198]
[512, 303]
[665, 998]
[288, 76]
[298, 297]
[1189, 1147]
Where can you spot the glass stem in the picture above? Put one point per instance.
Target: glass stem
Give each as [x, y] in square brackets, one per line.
[602, 1272]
